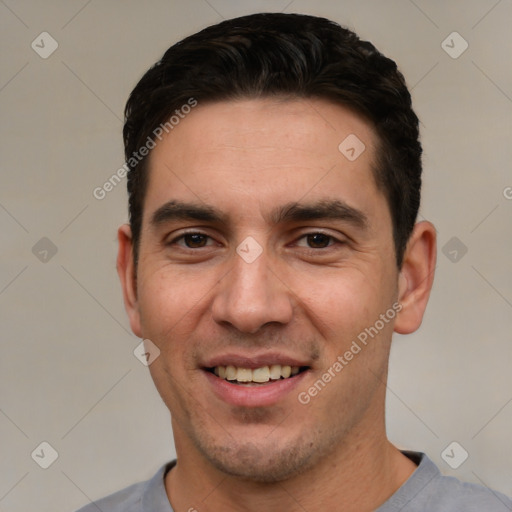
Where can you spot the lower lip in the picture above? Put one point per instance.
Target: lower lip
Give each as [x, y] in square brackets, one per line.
[261, 395]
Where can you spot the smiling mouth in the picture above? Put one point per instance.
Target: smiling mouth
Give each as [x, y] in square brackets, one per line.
[256, 376]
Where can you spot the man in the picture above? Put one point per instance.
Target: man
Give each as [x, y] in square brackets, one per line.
[273, 249]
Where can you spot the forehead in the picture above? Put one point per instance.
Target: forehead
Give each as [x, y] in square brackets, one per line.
[252, 154]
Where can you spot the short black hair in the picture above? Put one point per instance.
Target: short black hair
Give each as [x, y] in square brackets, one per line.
[288, 55]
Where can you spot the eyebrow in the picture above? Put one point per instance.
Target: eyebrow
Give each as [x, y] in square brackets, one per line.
[334, 209]
[179, 210]
[290, 212]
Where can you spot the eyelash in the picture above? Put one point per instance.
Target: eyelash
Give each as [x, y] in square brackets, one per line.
[331, 238]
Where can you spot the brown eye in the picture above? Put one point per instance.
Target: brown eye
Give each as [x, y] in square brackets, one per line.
[195, 240]
[318, 240]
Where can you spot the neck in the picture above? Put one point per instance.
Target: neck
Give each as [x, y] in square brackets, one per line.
[358, 476]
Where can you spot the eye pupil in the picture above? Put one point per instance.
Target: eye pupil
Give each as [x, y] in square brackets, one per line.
[318, 240]
[195, 240]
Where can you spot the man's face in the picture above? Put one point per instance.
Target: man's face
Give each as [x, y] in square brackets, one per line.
[266, 278]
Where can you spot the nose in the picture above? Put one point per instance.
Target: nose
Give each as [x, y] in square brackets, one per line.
[251, 295]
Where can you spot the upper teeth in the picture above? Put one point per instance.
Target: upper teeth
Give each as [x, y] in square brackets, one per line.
[263, 374]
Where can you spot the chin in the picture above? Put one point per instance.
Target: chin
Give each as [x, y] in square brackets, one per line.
[265, 463]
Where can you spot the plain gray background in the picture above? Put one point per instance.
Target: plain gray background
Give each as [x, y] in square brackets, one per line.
[68, 373]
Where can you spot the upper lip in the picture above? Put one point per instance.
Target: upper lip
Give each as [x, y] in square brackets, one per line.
[254, 361]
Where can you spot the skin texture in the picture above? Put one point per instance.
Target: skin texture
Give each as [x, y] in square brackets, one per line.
[299, 298]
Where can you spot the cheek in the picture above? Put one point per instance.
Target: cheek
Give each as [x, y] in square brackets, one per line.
[343, 302]
[168, 308]
[167, 301]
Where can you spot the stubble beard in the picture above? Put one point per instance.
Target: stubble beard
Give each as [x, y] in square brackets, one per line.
[270, 461]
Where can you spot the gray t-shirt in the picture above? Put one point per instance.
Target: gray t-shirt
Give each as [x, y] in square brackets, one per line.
[426, 490]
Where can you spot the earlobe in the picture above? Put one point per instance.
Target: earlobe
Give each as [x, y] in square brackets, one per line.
[126, 272]
[416, 277]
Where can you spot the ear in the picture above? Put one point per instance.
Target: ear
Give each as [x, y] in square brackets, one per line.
[416, 277]
[127, 276]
